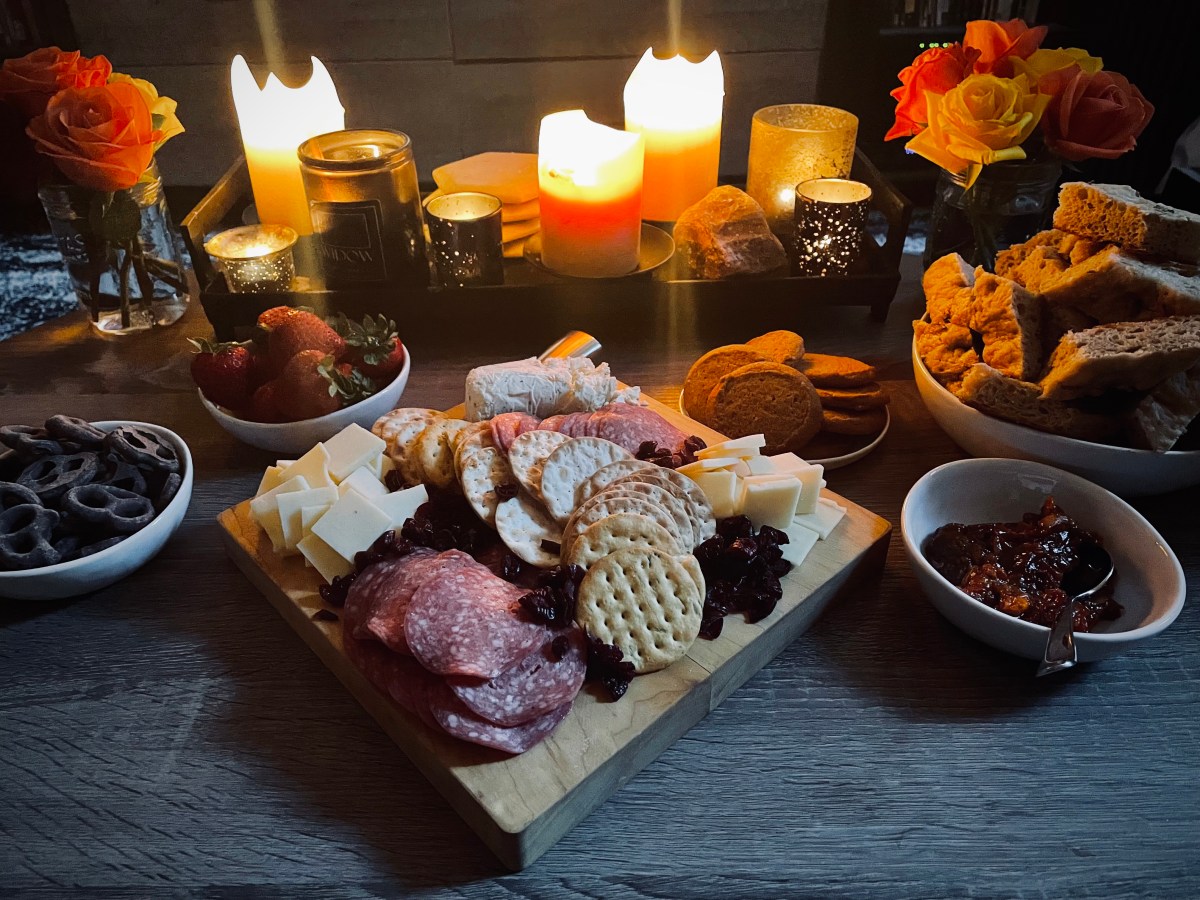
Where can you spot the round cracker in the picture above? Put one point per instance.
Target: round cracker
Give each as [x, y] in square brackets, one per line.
[400, 430]
[474, 437]
[523, 524]
[661, 497]
[643, 601]
[599, 507]
[692, 565]
[387, 425]
[570, 466]
[698, 501]
[528, 455]
[618, 532]
[483, 471]
[606, 475]
[435, 454]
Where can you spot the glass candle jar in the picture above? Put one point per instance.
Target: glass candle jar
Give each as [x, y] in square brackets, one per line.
[255, 259]
[792, 143]
[831, 214]
[366, 208]
[465, 232]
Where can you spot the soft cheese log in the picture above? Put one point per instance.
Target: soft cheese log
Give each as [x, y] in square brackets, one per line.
[541, 388]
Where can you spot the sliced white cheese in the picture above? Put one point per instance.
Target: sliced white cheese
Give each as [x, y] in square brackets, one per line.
[400, 506]
[327, 561]
[265, 510]
[754, 465]
[352, 524]
[810, 477]
[787, 463]
[309, 516]
[313, 467]
[722, 489]
[770, 499]
[291, 506]
[380, 466]
[284, 463]
[824, 519]
[272, 478]
[743, 447]
[801, 539]
[365, 481]
[692, 469]
[350, 448]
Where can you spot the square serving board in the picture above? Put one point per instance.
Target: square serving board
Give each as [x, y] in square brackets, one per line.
[521, 805]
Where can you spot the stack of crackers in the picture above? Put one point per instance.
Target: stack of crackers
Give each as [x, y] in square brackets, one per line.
[771, 385]
[512, 177]
[1089, 330]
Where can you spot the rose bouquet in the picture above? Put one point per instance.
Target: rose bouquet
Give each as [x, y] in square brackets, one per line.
[96, 132]
[999, 97]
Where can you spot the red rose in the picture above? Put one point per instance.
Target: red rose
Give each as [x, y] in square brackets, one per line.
[1090, 116]
[29, 82]
[938, 69]
[997, 41]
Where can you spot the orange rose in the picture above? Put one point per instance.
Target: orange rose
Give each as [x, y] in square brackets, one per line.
[99, 137]
[997, 41]
[29, 82]
[938, 69]
[1092, 115]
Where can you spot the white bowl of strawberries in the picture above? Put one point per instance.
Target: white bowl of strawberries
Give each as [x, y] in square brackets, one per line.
[304, 380]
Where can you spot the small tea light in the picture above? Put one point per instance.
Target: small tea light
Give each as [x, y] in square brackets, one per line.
[255, 259]
[831, 214]
[465, 233]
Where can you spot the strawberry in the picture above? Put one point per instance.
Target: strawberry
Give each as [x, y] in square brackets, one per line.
[303, 331]
[312, 384]
[223, 372]
[264, 405]
[373, 345]
[277, 315]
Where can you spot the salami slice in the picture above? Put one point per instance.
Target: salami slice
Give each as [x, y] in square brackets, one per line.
[402, 678]
[553, 423]
[467, 622]
[506, 427]
[537, 685]
[370, 588]
[458, 721]
[630, 426]
[386, 624]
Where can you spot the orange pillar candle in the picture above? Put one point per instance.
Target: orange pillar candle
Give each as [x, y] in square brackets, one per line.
[590, 188]
[274, 122]
[676, 106]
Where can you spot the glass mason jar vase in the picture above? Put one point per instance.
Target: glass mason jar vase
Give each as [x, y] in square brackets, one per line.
[122, 252]
[1008, 203]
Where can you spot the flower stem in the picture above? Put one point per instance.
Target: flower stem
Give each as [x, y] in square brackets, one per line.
[126, 262]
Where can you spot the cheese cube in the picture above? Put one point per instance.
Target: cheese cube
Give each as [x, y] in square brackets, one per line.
[810, 477]
[324, 558]
[770, 499]
[350, 448]
[284, 463]
[365, 482]
[352, 524]
[265, 510]
[290, 506]
[401, 506]
[722, 489]
[754, 465]
[380, 466]
[692, 469]
[272, 478]
[313, 467]
[742, 448]
[824, 519]
[309, 516]
[801, 540]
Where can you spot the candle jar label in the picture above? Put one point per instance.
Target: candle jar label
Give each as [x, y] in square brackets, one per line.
[350, 241]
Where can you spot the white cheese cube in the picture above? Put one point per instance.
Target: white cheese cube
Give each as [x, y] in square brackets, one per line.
[290, 507]
[284, 463]
[692, 469]
[770, 499]
[327, 561]
[352, 524]
[787, 463]
[801, 540]
[313, 467]
[722, 489]
[272, 478]
[265, 510]
[810, 477]
[365, 482]
[824, 518]
[309, 516]
[742, 448]
[350, 448]
[400, 506]
[754, 465]
[380, 466]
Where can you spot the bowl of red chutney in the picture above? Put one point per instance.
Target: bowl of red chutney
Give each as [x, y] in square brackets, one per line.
[990, 540]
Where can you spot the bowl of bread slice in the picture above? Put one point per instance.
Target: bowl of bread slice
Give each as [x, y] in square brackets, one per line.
[1082, 350]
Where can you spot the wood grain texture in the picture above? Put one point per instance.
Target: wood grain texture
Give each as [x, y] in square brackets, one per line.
[169, 736]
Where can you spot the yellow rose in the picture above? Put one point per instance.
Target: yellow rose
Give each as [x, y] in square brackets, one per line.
[1043, 62]
[983, 120]
[162, 109]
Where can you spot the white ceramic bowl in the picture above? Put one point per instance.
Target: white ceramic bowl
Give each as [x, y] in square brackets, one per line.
[1128, 472]
[299, 437]
[82, 576]
[1149, 581]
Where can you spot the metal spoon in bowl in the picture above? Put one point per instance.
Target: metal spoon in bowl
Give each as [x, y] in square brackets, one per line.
[1092, 572]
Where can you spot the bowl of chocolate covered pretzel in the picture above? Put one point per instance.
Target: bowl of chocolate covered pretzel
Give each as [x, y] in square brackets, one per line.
[83, 504]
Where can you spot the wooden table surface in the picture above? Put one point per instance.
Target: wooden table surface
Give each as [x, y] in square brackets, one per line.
[171, 735]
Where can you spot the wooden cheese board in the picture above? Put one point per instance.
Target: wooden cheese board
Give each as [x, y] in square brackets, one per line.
[521, 805]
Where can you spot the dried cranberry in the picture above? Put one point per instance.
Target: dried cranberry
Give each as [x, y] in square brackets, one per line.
[711, 625]
[386, 546]
[742, 550]
[506, 491]
[395, 481]
[510, 567]
[335, 593]
[607, 665]
[735, 527]
[770, 536]
[324, 615]
[559, 647]
[710, 550]
[646, 449]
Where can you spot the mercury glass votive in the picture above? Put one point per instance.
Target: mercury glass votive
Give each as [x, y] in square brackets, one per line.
[465, 233]
[831, 214]
[792, 143]
[255, 259]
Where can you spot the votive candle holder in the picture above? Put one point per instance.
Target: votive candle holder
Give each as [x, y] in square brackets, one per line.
[830, 218]
[255, 259]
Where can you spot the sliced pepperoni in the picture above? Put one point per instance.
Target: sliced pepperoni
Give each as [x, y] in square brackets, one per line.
[467, 622]
[457, 720]
[506, 426]
[552, 423]
[370, 588]
[541, 682]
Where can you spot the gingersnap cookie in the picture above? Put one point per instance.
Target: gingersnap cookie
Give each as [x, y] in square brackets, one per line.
[705, 372]
[869, 396]
[835, 371]
[864, 422]
[785, 347]
[768, 398]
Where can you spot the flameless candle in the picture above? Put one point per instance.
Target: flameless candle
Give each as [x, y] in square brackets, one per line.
[275, 121]
[590, 187]
[676, 106]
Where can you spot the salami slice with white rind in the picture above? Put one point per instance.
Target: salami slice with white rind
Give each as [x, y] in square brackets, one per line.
[537, 685]
[457, 720]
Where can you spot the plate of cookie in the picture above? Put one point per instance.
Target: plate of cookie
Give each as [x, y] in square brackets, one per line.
[831, 410]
